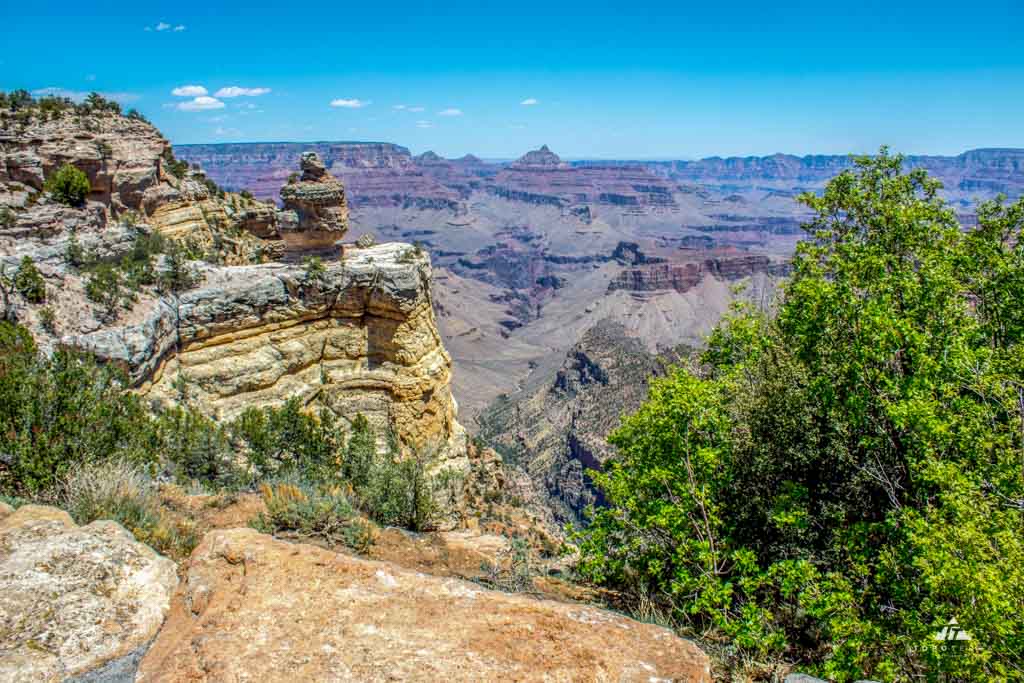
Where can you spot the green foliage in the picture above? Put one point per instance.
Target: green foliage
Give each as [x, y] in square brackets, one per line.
[7, 217]
[836, 483]
[48, 319]
[68, 185]
[59, 411]
[29, 282]
[178, 169]
[315, 271]
[105, 286]
[95, 102]
[135, 115]
[287, 440]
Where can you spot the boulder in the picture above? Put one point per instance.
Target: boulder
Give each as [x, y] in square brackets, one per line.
[74, 599]
[259, 609]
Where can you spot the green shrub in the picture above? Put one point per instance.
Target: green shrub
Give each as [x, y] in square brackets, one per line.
[7, 217]
[75, 254]
[312, 510]
[314, 269]
[105, 287]
[48, 319]
[197, 449]
[60, 411]
[29, 282]
[287, 440]
[403, 492]
[68, 185]
[836, 483]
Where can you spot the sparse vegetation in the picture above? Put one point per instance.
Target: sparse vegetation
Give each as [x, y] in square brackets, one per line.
[68, 185]
[121, 490]
[314, 269]
[48, 319]
[313, 510]
[7, 217]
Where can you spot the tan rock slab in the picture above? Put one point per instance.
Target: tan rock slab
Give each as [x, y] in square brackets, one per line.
[258, 609]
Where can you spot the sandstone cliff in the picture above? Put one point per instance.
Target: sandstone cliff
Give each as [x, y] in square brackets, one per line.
[357, 336]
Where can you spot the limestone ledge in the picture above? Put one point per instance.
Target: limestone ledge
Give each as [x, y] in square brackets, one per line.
[361, 339]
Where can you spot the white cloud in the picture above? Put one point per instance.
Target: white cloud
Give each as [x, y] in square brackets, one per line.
[529, 102]
[350, 104]
[237, 91]
[227, 132]
[424, 124]
[399, 107]
[450, 112]
[202, 103]
[416, 109]
[164, 26]
[189, 91]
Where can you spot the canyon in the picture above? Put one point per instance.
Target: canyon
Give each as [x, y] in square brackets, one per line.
[541, 262]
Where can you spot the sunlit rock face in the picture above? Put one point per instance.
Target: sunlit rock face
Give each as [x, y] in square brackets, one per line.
[316, 213]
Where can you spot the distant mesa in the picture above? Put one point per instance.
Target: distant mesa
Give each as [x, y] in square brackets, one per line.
[540, 158]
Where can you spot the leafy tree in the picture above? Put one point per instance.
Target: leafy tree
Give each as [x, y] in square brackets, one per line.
[105, 286]
[68, 185]
[837, 482]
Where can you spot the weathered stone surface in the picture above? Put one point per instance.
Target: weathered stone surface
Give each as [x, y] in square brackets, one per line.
[74, 598]
[317, 200]
[362, 339]
[258, 609]
[366, 240]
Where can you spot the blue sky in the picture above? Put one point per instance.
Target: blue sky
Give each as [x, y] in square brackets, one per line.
[591, 79]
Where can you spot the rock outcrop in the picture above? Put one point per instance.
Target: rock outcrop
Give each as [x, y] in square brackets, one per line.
[316, 213]
[259, 609]
[355, 337]
[133, 177]
[359, 338]
[74, 599]
[681, 277]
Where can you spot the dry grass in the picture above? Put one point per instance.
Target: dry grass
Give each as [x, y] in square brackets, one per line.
[122, 491]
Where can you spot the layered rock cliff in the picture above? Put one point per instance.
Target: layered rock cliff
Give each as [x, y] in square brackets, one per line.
[355, 336]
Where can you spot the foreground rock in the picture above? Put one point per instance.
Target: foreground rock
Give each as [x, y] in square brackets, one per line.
[254, 608]
[73, 599]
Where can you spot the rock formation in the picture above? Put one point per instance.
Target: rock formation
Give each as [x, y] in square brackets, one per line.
[557, 430]
[681, 277]
[316, 213]
[132, 175]
[73, 599]
[358, 337]
[242, 616]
